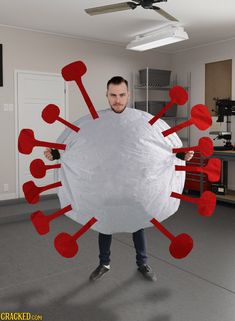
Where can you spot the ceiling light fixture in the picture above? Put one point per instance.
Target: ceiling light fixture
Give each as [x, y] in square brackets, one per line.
[160, 37]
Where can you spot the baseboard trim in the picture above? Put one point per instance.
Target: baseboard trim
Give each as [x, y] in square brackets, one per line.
[12, 199]
[13, 210]
[7, 196]
[20, 217]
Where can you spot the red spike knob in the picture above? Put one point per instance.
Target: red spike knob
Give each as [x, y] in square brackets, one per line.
[205, 147]
[66, 244]
[206, 203]
[41, 221]
[38, 168]
[51, 113]
[74, 72]
[26, 142]
[200, 117]
[32, 192]
[181, 245]
[178, 96]
[212, 169]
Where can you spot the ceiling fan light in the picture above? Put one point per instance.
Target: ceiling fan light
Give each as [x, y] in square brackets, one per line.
[159, 38]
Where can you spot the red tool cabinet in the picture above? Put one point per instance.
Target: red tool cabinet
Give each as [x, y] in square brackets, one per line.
[193, 180]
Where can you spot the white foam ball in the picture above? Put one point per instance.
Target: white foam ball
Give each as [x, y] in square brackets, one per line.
[120, 170]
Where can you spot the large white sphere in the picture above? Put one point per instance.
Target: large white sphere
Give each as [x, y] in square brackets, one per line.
[121, 170]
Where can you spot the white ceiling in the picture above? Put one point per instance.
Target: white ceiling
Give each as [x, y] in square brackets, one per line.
[206, 21]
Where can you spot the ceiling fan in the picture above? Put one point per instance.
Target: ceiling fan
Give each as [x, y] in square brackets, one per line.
[146, 4]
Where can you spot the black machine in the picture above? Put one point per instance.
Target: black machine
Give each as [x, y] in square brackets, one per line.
[146, 4]
[224, 107]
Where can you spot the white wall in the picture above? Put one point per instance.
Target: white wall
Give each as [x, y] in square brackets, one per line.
[194, 61]
[27, 50]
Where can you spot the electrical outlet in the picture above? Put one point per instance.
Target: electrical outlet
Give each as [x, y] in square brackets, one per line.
[10, 107]
[5, 187]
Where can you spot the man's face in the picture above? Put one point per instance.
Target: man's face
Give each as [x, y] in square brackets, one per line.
[118, 96]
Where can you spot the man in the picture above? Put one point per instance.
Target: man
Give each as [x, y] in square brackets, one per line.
[118, 96]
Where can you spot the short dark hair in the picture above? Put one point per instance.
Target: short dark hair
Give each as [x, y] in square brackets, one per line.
[117, 80]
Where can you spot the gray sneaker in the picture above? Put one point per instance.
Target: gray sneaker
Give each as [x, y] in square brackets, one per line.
[147, 272]
[98, 272]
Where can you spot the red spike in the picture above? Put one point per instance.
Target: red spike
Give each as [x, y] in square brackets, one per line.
[26, 142]
[205, 147]
[206, 203]
[38, 168]
[178, 96]
[212, 169]
[51, 113]
[200, 117]
[74, 72]
[31, 191]
[41, 221]
[66, 244]
[181, 245]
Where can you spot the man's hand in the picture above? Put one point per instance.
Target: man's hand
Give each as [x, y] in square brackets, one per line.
[48, 154]
[189, 155]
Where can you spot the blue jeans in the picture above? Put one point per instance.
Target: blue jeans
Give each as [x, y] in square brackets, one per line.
[139, 241]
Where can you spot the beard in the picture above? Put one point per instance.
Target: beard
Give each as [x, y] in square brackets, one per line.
[118, 111]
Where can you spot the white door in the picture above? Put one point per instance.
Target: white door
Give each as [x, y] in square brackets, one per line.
[33, 92]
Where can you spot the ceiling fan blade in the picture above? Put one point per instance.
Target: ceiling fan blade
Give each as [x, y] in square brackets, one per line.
[111, 8]
[164, 14]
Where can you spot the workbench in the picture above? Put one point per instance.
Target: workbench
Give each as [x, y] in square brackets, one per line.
[225, 156]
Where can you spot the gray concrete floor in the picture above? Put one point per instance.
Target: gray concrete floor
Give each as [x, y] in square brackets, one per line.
[35, 278]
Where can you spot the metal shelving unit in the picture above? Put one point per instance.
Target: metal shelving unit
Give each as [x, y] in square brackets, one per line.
[172, 121]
